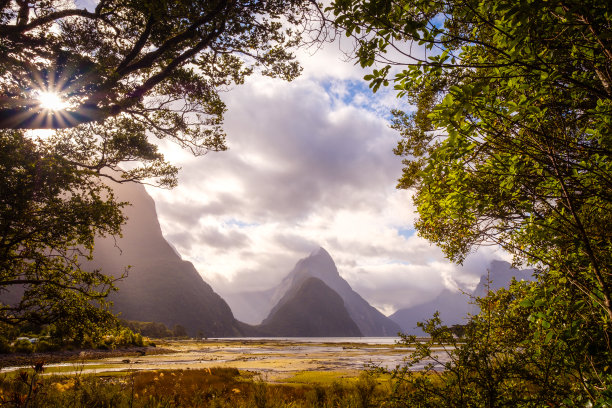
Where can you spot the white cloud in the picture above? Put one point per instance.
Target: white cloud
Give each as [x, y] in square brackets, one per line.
[310, 163]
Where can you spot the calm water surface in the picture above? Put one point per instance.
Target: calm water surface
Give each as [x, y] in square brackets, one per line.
[358, 340]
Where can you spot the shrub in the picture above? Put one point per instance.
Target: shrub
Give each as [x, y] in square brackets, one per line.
[23, 346]
[365, 389]
[45, 345]
[5, 346]
[336, 393]
[316, 397]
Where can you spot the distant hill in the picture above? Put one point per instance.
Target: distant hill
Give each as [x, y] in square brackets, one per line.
[500, 276]
[452, 306]
[160, 286]
[253, 307]
[313, 310]
[455, 306]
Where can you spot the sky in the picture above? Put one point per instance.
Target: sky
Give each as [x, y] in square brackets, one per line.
[310, 164]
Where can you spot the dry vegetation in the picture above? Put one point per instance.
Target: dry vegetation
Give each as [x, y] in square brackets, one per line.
[209, 387]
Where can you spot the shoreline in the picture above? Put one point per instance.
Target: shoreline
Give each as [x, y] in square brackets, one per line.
[61, 356]
[274, 359]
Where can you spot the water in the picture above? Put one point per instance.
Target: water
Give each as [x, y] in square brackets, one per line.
[273, 356]
[324, 340]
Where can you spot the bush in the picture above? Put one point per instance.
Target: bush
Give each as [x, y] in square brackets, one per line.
[148, 329]
[23, 346]
[365, 389]
[336, 394]
[137, 340]
[45, 345]
[5, 346]
[316, 397]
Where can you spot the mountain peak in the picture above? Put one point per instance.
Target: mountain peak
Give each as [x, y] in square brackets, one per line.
[320, 252]
[319, 264]
[499, 275]
[313, 309]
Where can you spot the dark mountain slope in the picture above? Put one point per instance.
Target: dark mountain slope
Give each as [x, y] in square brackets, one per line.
[253, 307]
[500, 276]
[160, 286]
[452, 306]
[313, 310]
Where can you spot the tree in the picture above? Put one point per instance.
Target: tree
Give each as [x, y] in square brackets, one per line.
[50, 214]
[160, 63]
[506, 358]
[123, 73]
[509, 141]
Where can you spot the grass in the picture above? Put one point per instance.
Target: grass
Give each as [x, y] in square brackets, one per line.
[293, 379]
[209, 387]
[322, 377]
[73, 368]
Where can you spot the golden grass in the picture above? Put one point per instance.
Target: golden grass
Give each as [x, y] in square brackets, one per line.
[323, 377]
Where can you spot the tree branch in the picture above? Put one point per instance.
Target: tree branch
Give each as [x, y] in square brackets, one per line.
[23, 27]
[139, 44]
[147, 60]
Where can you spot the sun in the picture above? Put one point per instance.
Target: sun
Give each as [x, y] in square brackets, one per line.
[50, 101]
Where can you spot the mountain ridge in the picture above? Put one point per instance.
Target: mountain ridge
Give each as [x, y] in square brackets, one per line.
[319, 264]
[312, 310]
[454, 307]
[160, 286]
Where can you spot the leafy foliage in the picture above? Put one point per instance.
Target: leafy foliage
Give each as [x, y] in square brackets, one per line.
[513, 353]
[50, 214]
[137, 69]
[162, 64]
[149, 329]
[510, 139]
[509, 144]
[127, 71]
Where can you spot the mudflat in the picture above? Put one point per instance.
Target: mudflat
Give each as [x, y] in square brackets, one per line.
[276, 360]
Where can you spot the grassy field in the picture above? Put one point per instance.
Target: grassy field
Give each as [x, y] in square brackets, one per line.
[209, 387]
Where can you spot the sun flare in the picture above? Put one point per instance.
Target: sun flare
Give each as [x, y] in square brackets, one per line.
[50, 101]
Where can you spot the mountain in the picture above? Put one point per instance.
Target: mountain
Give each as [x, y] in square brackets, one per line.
[254, 306]
[160, 286]
[250, 307]
[500, 276]
[313, 310]
[455, 306]
[452, 306]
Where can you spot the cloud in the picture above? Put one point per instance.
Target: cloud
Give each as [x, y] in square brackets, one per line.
[398, 285]
[309, 164]
[226, 240]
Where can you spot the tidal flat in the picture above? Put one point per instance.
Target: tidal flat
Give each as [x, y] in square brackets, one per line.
[273, 360]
